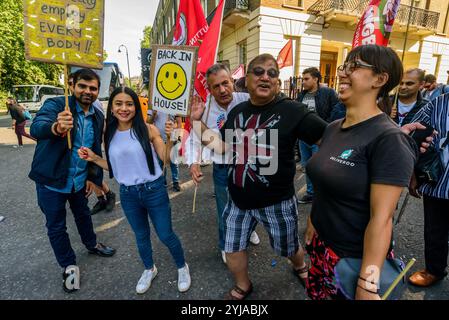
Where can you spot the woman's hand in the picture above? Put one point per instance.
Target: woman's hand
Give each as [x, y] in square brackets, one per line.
[361, 294]
[90, 187]
[87, 154]
[310, 232]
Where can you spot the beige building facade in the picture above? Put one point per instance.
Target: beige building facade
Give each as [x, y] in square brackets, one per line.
[321, 30]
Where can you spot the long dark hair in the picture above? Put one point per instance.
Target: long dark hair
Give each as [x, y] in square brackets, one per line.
[384, 60]
[138, 127]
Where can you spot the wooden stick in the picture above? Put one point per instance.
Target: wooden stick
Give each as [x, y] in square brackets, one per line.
[66, 93]
[399, 277]
[201, 155]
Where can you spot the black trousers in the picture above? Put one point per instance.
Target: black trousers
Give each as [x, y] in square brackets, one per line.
[436, 228]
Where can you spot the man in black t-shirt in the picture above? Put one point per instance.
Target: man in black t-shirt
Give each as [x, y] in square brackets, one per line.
[261, 135]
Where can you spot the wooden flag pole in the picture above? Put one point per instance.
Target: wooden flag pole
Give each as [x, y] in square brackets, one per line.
[399, 277]
[201, 154]
[66, 93]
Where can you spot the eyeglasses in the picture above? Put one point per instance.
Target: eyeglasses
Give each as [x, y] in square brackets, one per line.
[349, 67]
[259, 71]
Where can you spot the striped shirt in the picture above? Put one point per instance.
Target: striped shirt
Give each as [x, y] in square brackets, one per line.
[436, 114]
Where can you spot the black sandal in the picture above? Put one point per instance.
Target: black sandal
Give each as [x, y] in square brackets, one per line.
[240, 291]
[300, 271]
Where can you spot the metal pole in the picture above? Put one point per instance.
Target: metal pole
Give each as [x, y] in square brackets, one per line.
[129, 72]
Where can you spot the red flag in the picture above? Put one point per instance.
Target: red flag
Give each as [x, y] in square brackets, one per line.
[208, 51]
[285, 57]
[376, 23]
[191, 25]
[239, 72]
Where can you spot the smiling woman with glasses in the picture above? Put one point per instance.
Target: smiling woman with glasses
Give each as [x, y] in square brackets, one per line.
[363, 163]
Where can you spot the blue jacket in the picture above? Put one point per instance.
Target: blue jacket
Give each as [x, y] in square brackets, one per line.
[51, 159]
[439, 90]
[420, 102]
[325, 100]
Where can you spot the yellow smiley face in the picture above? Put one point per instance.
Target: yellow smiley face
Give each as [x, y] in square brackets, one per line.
[171, 81]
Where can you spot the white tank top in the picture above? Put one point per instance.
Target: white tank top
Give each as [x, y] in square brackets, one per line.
[128, 160]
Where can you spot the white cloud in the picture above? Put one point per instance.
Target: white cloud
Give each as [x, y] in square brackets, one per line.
[124, 24]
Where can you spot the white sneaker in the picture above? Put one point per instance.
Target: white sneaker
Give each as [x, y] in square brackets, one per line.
[254, 239]
[223, 256]
[15, 146]
[184, 279]
[145, 280]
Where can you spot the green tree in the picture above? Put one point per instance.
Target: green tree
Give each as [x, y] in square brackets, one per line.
[146, 41]
[14, 68]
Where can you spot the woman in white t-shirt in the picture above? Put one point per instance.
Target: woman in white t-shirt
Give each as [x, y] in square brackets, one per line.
[132, 148]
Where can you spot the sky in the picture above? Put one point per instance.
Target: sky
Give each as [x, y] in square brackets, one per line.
[124, 24]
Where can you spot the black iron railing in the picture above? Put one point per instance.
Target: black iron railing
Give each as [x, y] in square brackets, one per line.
[232, 5]
[419, 17]
[324, 5]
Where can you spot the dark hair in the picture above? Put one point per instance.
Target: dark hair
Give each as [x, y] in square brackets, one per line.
[430, 78]
[217, 67]
[421, 73]
[384, 60]
[85, 74]
[138, 128]
[314, 72]
[261, 59]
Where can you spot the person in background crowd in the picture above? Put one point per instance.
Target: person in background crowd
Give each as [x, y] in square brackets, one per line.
[106, 197]
[321, 100]
[132, 148]
[410, 100]
[59, 174]
[436, 198]
[240, 85]
[220, 102]
[432, 89]
[18, 121]
[363, 163]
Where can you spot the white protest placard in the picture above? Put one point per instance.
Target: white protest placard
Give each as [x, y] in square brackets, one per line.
[172, 77]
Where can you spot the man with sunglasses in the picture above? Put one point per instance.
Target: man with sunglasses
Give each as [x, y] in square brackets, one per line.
[262, 134]
[322, 100]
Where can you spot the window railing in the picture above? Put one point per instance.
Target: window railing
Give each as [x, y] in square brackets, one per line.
[232, 5]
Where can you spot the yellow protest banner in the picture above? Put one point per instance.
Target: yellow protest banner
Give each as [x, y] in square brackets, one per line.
[68, 32]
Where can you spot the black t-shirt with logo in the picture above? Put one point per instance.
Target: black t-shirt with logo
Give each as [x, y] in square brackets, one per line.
[350, 159]
[263, 142]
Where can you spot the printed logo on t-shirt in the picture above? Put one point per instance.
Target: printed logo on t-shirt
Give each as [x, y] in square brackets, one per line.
[221, 119]
[346, 154]
[343, 158]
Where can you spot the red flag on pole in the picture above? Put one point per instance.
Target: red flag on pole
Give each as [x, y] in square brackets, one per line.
[376, 23]
[191, 25]
[207, 54]
[285, 57]
[239, 72]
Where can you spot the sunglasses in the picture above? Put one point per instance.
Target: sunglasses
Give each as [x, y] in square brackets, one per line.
[259, 71]
[349, 67]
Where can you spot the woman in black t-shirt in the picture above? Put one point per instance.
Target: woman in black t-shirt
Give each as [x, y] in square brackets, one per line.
[358, 174]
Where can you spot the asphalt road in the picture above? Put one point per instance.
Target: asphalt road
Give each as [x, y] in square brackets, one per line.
[28, 269]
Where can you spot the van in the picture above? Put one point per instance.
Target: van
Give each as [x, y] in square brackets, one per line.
[32, 97]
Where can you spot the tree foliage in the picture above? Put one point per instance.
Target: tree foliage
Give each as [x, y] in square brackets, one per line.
[14, 68]
[146, 41]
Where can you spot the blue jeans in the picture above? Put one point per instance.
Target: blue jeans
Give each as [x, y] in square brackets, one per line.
[220, 174]
[307, 151]
[53, 205]
[151, 199]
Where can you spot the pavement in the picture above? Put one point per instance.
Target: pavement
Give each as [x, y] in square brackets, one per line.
[28, 269]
